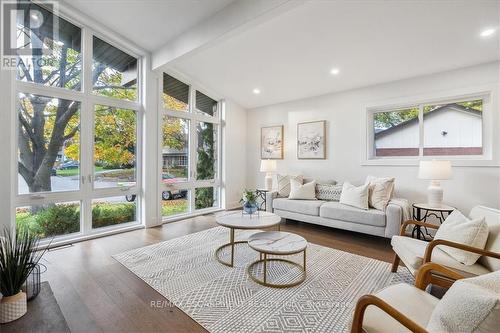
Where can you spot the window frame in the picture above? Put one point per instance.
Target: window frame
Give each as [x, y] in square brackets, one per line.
[194, 117]
[86, 192]
[487, 158]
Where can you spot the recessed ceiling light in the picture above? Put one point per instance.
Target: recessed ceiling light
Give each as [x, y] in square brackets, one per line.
[256, 91]
[487, 32]
[334, 71]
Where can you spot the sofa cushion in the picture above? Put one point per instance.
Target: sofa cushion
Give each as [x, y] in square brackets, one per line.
[411, 251]
[459, 229]
[284, 184]
[492, 217]
[299, 191]
[338, 211]
[306, 207]
[418, 309]
[356, 196]
[470, 305]
[328, 192]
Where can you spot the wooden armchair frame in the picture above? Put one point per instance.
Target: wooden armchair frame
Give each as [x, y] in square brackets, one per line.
[423, 279]
[439, 280]
[395, 262]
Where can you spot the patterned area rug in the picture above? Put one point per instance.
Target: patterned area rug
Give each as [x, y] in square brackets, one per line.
[224, 299]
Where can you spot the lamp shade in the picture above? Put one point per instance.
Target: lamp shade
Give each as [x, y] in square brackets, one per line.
[267, 165]
[434, 170]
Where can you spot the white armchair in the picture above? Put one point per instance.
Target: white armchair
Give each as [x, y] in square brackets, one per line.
[414, 252]
[471, 304]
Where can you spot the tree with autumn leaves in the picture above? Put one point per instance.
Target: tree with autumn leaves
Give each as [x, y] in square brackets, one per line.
[50, 125]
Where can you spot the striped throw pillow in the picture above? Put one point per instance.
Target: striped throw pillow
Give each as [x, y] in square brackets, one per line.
[284, 184]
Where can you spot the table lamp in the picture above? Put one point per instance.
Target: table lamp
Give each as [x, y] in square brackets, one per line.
[268, 166]
[434, 171]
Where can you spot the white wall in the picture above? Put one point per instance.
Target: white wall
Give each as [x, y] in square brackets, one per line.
[345, 112]
[234, 149]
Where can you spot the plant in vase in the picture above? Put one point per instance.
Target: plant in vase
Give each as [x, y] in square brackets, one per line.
[19, 254]
[249, 200]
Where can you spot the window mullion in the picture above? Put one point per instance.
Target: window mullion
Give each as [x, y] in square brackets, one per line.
[421, 130]
[87, 132]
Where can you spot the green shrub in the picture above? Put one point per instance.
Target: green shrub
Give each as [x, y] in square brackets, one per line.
[56, 220]
[107, 214]
[204, 197]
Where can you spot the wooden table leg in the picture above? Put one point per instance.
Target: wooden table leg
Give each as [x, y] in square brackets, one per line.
[304, 260]
[231, 240]
[265, 267]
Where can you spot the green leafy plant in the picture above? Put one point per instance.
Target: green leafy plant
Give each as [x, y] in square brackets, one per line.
[249, 196]
[18, 256]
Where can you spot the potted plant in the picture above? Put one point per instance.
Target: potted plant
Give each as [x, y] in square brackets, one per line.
[19, 253]
[249, 200]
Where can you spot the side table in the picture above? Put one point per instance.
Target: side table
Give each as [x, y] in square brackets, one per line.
[261, 195]
[422, 211]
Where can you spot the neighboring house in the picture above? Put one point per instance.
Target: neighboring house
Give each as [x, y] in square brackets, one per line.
[174, 158]
[451, 129]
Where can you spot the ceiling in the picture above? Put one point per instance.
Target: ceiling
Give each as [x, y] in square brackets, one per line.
[149, 23]
[290, 56]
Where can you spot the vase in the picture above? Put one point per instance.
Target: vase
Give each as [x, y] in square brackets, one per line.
[13, 307]
[250, 208]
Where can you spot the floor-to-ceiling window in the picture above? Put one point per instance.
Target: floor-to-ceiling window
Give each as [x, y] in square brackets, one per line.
[78, 109]
[190, 159]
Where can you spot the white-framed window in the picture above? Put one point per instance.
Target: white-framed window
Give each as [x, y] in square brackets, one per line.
[190, 137]
[452, 128]
[78, 131]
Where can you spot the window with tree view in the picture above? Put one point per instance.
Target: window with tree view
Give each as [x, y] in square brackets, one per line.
[48, 144]
[60, 65]
[190, 175]
[115, 137]
[439, 129]
[77, 150]
[175, 94]
[396, 132]
[114, 71]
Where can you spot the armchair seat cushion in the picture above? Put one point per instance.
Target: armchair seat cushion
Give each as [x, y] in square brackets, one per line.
[338, 211]
[411, 251]
[306, 207]
[414, 303]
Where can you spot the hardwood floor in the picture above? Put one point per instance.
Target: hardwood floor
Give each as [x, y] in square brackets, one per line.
[97, 294]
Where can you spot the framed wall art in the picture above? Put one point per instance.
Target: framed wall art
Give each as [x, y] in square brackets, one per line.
[311, 140]
[271, 143]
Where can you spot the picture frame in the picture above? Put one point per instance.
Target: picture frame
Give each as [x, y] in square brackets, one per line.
[271, 142]
[311, 140]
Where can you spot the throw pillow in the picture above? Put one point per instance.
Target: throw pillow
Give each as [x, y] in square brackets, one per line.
[459, 229]
[379, 192]
[356, 196]
[302, 192]
[328, 192]
[284, 184]
[470, 305]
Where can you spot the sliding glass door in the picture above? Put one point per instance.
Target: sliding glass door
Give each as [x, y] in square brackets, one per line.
[78, 132]
[190, 137]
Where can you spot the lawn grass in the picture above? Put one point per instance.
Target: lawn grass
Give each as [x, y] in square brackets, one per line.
[173, 207]
[73, 172]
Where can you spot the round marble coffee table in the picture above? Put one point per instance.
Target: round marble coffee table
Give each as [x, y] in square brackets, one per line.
[238, 220]
[276, 243]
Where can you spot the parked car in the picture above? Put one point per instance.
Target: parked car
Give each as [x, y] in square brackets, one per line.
[165, 195]
[171, 194]
[69, 165]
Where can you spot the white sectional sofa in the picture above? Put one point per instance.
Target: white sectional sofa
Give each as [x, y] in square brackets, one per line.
[336, 215]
